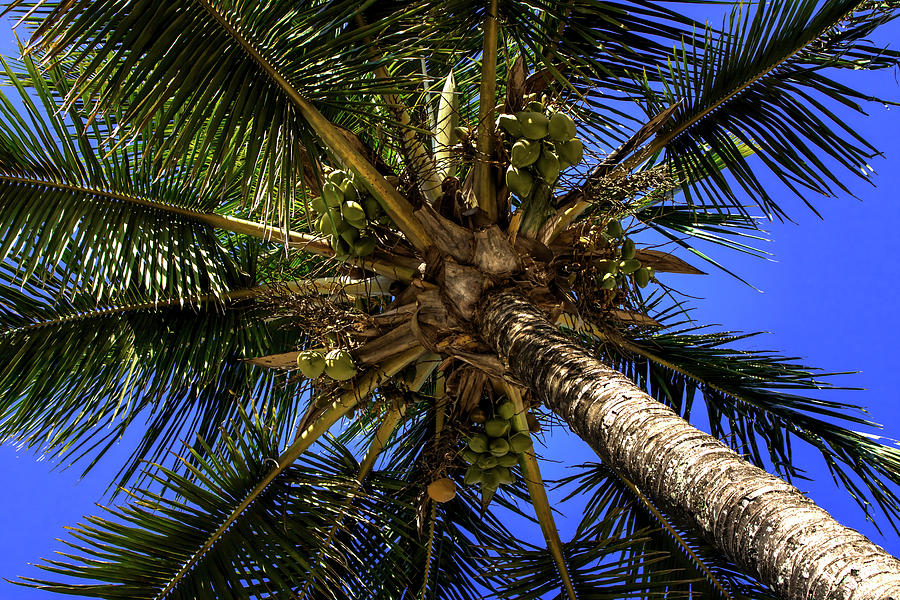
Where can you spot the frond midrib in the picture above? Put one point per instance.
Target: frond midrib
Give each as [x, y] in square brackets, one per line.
[736, 91]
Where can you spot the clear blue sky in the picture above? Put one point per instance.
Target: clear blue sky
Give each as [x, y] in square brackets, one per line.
[830, 298]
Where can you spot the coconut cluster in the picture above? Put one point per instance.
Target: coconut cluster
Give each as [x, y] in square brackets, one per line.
[494, 450]
[337, 364]
[345, 212]
[544, 145]
[615, 271]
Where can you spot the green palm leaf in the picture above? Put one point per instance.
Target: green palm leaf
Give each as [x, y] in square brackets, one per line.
[769, 82]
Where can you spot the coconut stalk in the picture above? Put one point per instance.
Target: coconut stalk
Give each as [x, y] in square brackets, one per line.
[761, 523]
[538, 492]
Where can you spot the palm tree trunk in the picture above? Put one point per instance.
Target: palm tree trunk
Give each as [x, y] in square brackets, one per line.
[762, 523]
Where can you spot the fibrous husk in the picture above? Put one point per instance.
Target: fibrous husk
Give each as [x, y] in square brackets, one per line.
[442, 490]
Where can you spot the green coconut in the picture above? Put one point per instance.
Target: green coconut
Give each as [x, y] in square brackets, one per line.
[311, 363]
[524, 153]
[561, 127]
[499, 447]
[548, 165]
[496, 427]
[360, 223]
[350, 235]
[353, 211]
[535, 106]
[519, 182]
[534, 124]
[520, 442]
[470, 456]
[339, 365]
[487, 461]
[510, 125]
[364, 246]
[614, 228]
[571, 152]
[490, 479]
[473, 475]
[478, 443]
[332, 194]
[628, 249]
[608, 281]
[629, 266]
[340, 246]
[372, 208]
[350, 191]
[506, 410]
[508, 460]
[505, 475]
[608, 266]
[642, 276]
[318, 205]
[336, 177]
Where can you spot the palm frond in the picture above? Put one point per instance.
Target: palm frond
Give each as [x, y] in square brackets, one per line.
[180, 366]
[769, 82]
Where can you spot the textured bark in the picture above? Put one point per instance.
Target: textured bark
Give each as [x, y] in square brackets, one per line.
[756, 519]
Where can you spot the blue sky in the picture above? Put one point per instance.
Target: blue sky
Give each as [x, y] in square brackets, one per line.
[829, 297]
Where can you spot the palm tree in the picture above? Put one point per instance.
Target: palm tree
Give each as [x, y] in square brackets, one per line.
[201, 196]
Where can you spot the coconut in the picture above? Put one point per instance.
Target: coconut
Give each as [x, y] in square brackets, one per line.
[642, 276]
[364, 246]
[470, 456]
[506, 410]
[490, 479]
[311, 363]
[608, 282]
[524, 153]
[534, 124]
[508, 460]
[372, 208]
[336, 177]
[353, 211]
[487, 461]
[510, 125]
[496, 427]
[614, 228]
[442, 490]
[561, 127]
[341, 247]
[499, 447]
[548, 165]
[571, 152]
[628, 248]
[332, 194]
[505, 475]
[478, 443]
[629, 266]
[339, 365]
[318, 205]
[519, 182]
[473, 475]
[520, 442]
[533, 424]
[350, 192]
[350, 235]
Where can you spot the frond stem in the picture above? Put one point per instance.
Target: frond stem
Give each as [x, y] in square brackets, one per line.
[485, 188]
[366, 384]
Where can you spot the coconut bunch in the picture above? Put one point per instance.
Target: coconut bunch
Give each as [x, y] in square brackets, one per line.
[543, 145]
[615, 271]
[494, 448]
[344, 213]
[337, 364]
